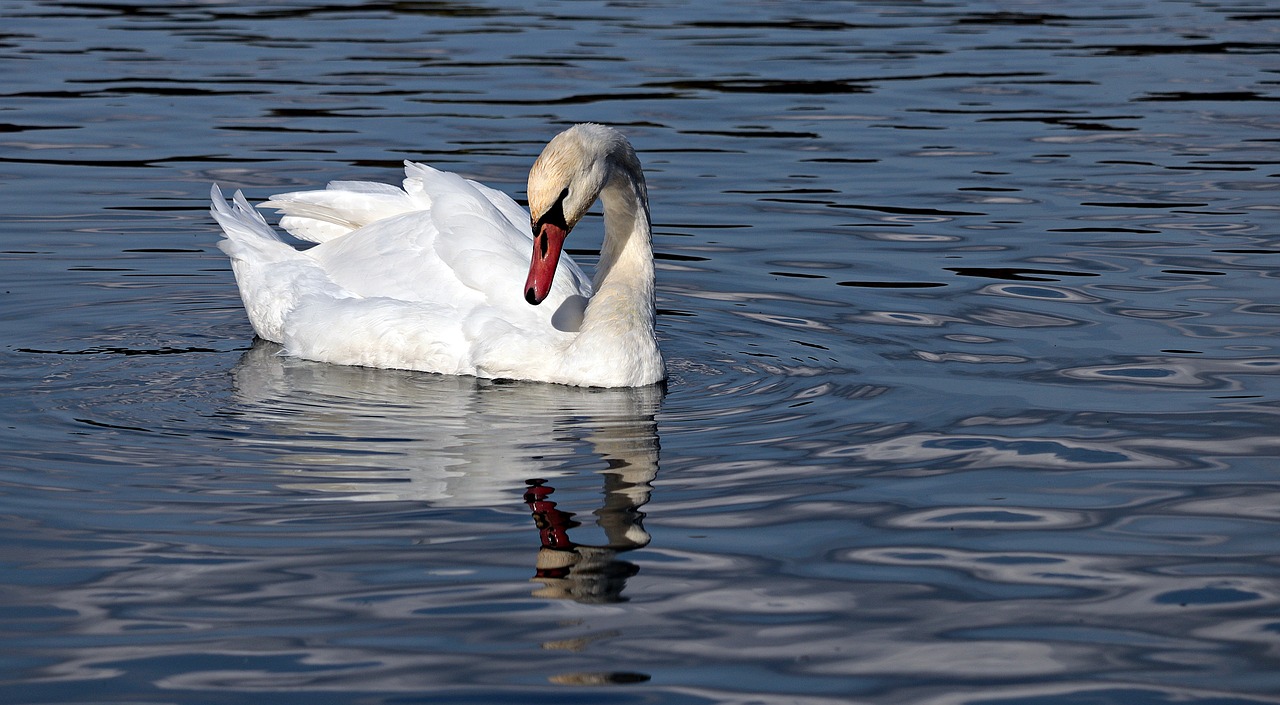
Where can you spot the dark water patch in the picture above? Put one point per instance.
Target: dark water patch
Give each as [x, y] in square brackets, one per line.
[951, 75]
[283, 129]
[1133, 162]
[840, 160]
[795, 191]
[777, 86]
[1210, 48]
[1012, 18]
[115, 427]
[112, 350]
[574, 99]
[891, 285]
[1016, 274]
[184, 15]
[809, 201]
[673, 257]
[903, 210]
[810, 345]
[1237, 162]
[797, 275]
[1206, 96]
[790, 23]
[95, 268]
[1096, 123]
[168, 91]
[1255, 17]
[1142, 204]
[1249, 251]
[1200, 168]
[12, 127]
[1136, 231]
[42, 94]
[326, 113]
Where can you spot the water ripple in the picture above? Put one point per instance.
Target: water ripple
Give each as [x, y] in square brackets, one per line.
[1179, 372]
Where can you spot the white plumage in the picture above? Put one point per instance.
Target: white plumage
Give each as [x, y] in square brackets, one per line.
[428, 276]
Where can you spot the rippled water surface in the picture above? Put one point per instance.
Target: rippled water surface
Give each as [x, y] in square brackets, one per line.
[970, 313]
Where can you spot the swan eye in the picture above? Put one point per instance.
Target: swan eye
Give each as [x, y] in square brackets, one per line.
[555, 215]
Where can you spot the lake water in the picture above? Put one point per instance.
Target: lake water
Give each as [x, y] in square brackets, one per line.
[970, 311]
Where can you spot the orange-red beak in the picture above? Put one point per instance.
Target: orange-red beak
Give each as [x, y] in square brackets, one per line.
[547, 243]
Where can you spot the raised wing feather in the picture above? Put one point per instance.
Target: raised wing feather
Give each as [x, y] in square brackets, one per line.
[320, 216]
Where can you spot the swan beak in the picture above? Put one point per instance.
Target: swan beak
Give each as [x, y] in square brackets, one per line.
[547, 243]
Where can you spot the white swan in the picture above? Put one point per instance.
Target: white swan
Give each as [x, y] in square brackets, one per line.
[428, 277]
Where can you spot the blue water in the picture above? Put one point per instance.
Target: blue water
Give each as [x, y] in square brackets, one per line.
[970, 312]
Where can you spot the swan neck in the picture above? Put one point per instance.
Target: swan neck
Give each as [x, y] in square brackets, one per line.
[617, 340]
[626, 225]
[625, 270]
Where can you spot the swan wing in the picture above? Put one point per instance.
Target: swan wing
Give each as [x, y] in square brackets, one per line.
[322, 215]
[426, 277]
[441, 239]
[343, 206]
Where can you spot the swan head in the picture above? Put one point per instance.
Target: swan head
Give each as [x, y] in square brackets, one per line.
[563, 183]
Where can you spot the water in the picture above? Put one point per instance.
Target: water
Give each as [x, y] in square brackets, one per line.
[969, 310]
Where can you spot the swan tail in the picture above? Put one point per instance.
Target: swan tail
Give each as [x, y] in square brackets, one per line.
[248, 235]
[269, 273]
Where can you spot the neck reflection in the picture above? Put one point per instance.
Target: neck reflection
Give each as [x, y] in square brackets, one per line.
[370, 435]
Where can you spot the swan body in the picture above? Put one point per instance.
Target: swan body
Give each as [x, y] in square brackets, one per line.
[427, 276]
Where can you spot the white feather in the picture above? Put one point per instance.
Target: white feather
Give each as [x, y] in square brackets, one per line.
[430, 277]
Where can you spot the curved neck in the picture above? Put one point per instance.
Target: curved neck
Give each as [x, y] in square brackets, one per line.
[624, 277]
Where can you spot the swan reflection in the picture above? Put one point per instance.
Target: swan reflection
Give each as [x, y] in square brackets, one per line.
[384, 435]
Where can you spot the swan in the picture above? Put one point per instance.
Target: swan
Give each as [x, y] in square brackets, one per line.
[427, 276]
